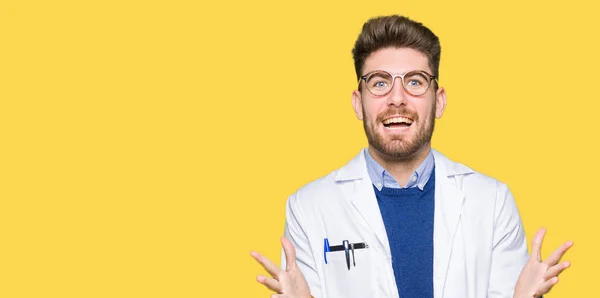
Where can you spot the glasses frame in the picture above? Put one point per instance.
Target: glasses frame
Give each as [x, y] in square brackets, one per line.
[401, 76]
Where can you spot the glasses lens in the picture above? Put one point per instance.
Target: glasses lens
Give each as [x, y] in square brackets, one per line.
[379, 82]
[416, 83]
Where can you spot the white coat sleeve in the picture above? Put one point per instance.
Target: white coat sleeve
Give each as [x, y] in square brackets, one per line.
[295, 231]
[509, 252]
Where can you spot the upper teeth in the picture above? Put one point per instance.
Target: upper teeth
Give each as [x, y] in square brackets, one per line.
[397, 120]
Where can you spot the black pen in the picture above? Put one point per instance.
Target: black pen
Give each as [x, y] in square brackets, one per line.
[346, 245]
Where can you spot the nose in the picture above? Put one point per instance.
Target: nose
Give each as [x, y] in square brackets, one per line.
[398, 96]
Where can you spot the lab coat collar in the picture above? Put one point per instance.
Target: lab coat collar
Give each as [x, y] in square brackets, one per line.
[357, 167]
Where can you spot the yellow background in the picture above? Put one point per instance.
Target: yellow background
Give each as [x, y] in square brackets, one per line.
[148, 146]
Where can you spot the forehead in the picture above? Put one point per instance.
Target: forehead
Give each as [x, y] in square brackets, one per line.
[396, 60]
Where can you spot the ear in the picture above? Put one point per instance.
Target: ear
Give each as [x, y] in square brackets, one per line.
[440, 102]
[357, 104]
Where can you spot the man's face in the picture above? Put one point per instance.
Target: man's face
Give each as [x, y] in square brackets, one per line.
[398, 125]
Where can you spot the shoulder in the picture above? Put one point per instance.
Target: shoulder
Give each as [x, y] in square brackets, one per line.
[326, 190]
[469, 180]
[314, 191]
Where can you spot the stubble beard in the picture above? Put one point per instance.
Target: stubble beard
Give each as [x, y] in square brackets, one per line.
[399, 147]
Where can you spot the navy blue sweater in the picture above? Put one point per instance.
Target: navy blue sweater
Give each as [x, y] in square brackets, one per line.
[408, 217]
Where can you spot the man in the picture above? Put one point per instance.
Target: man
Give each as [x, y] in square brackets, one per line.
[401, 219]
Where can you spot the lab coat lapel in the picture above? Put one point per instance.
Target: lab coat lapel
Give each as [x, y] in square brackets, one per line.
[357, 187]
[448, 206]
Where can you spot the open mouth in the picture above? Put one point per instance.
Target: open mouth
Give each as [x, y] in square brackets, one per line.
[397, 123]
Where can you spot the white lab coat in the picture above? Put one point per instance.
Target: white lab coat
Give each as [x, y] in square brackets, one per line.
[479, 241]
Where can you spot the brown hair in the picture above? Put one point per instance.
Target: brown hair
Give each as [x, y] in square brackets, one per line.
[399, 32]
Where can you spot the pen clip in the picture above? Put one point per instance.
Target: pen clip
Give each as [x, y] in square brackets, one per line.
[326, 248]
[353, 258]
[346, 245]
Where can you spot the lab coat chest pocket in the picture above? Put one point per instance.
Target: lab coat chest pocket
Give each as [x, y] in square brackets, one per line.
[356, 282]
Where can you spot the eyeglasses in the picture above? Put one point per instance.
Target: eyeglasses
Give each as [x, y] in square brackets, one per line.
[381, 82]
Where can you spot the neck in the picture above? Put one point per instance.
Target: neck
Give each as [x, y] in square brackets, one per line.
[401, 168]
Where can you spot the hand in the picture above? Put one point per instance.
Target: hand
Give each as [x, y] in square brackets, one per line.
[289, 283]
[538, 277]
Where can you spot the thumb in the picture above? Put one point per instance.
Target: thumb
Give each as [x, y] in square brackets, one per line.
[536, 244]
[290, 253]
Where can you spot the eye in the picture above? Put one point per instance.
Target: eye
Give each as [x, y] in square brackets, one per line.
[414, 83]
[380, 84]
[379, 80]
[416, 80]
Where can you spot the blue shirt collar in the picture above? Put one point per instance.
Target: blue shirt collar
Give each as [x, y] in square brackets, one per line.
[381, 178]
